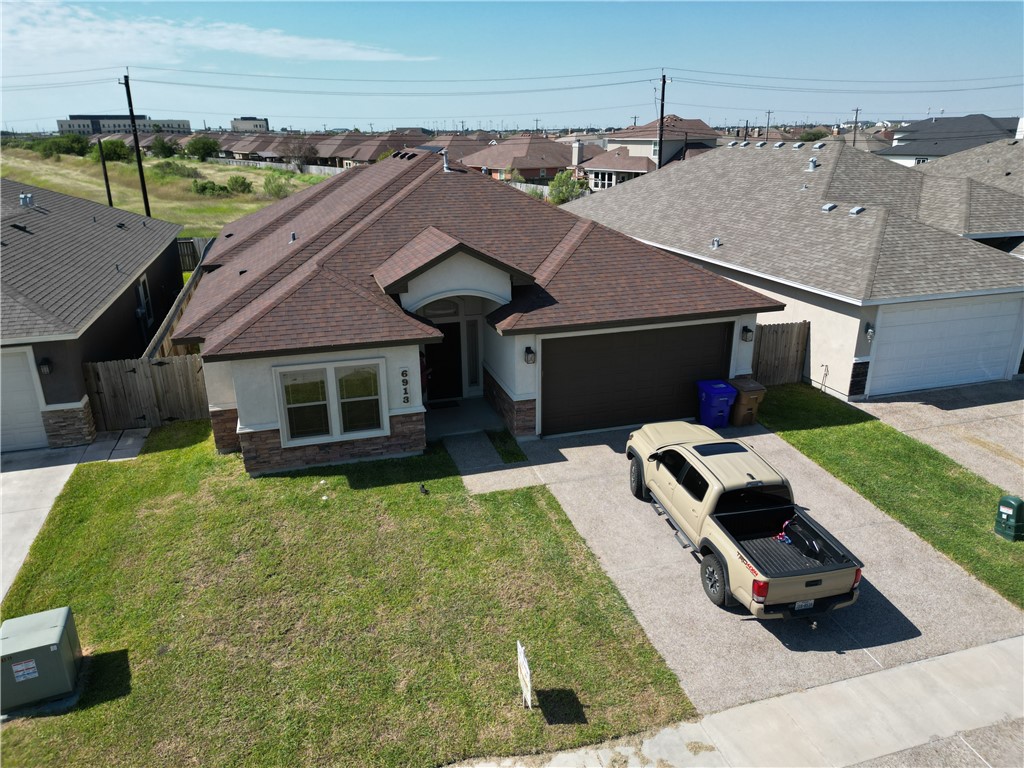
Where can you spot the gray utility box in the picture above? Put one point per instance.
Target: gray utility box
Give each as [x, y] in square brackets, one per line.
[39, 658]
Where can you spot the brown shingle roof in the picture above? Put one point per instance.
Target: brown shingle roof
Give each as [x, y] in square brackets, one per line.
[378, 225]
[676, 128]
[526, 152]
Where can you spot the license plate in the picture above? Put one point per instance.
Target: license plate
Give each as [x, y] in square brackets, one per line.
[802, 605]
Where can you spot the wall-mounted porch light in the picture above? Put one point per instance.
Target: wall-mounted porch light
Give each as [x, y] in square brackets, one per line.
[747, 334]
[530, 356]
[869, 331]
[45, 366]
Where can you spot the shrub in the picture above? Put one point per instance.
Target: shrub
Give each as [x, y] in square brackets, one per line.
[209, 188]
[113, 150]
[202, 147]
[277, 185]
[161, 147]
[171, 168]
[239, 185]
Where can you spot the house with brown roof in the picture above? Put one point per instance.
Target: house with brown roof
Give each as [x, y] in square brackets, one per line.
[902, 275]
[333, 322]
[681, 138]
[536, 158]
[79, 282]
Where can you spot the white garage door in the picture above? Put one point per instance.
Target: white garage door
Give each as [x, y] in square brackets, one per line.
[21, 424]
[945, 343]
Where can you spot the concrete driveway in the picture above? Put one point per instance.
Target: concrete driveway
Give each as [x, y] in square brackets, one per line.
[915, 603]
[980, 426]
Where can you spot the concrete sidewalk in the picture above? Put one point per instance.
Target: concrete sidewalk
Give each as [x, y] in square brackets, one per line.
[964, 708]
[31, 481]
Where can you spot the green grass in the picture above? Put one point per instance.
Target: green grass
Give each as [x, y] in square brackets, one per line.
[333, 617]
[951, 508]
[170, 197]
[506, 446]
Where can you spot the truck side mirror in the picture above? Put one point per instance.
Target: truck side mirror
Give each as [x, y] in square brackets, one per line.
[654, 457]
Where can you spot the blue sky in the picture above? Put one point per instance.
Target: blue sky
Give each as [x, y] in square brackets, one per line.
[508, 65]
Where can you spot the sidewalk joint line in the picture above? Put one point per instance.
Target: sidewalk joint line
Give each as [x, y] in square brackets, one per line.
[986, 762]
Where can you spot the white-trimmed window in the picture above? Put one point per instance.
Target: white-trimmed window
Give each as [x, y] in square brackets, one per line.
[333, 401]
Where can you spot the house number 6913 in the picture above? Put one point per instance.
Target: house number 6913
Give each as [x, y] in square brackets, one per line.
[404, 373]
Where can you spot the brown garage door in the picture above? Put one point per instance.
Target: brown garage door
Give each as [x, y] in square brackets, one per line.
[614, 379]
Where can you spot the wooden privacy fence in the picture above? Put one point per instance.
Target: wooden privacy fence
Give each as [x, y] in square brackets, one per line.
[128, 394]
[779, 352]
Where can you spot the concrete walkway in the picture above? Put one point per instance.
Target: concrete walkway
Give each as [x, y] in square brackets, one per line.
[963, 707]
[31, 481]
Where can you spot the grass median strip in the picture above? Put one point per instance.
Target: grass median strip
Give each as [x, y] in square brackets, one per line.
[337, 616]
[943, 503]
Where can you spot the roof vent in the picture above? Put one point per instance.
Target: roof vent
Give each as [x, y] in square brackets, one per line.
[857, 210]
[745, 144]
[779, 144]
[820, 145]
[293, 238]
[22, 201]
[798, 145]
[444, 156]
[761, 144]
[732, 143]
[829, 207]
[812, 164]
[715, 242]
[121, 225]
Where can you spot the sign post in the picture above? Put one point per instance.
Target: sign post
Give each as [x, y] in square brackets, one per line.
[524, 676]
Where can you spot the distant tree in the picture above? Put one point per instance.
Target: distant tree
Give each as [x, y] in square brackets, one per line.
[202, 147]
[384, 155]
[813, 135]
[163, 148]
[239, 185]
[513, 174]
[63, 145]
[301, 150]
[564, 187]
[114, 150]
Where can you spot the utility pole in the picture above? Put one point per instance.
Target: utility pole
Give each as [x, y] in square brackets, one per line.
[536, 124]
[746, 129]
[634, 119]
[106, 179]
[661, 122]
[767, 124]
[856, 119]
[138, 150]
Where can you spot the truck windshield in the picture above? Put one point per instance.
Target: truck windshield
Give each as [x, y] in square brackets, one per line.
[759, 497]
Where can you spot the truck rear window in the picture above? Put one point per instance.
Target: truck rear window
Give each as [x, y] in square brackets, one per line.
[759, 497]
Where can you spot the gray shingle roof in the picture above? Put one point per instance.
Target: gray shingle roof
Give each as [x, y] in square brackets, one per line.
[945, 135]
[998, 164]
[65, 259]
[766, 208]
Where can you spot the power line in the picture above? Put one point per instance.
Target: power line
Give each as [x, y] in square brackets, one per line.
[834, 80]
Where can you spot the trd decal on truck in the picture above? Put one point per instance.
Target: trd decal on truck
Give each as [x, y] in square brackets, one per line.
[750, 568]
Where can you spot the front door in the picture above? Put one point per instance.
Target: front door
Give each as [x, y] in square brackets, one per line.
[444, 364]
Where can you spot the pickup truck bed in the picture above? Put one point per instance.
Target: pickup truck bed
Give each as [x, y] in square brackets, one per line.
[808, 547]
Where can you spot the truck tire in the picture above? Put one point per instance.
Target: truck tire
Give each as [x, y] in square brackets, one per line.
[636, 480]
[712, 578]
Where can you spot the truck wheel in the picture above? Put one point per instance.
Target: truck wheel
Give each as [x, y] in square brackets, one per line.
[712, 577]
[636, 480]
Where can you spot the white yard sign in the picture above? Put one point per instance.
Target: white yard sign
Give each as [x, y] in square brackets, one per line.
[524, 676]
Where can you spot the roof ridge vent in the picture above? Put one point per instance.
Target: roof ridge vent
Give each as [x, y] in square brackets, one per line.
[779, 144]
[761, 144]
[732, 143]
[829, 207]
[293, 238]
[798, 145]
[857, 210]
[820, 145]
[745, 144]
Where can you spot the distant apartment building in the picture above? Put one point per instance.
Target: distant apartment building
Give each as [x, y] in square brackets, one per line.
[89, 125]
[250, 125]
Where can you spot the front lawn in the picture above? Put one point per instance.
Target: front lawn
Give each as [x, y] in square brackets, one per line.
[335, 617]
[951, 508]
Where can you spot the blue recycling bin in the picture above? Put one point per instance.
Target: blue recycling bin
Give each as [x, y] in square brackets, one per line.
[715, 399]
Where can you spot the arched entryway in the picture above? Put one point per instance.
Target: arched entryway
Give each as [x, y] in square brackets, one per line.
[454, 367]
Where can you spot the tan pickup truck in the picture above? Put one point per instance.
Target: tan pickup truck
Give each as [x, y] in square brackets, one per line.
[736, 512]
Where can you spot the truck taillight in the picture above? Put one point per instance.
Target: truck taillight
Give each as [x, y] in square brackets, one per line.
[856, 579]
[760, 590]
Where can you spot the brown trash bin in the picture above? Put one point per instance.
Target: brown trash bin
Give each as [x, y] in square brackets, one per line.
[749, 395]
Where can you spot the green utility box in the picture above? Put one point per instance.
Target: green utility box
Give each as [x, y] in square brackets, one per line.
[1010, 518]
[39, 658]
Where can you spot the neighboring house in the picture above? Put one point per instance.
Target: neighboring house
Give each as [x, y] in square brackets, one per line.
[614, 167]
[878, 257]
[312, 315]
[998, 164]
[535, 158]
[937, 137]
[80, 282]
[456, 145]
[250, 124]
[681, 138]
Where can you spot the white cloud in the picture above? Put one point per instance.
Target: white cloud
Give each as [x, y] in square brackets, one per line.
[74, 36]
